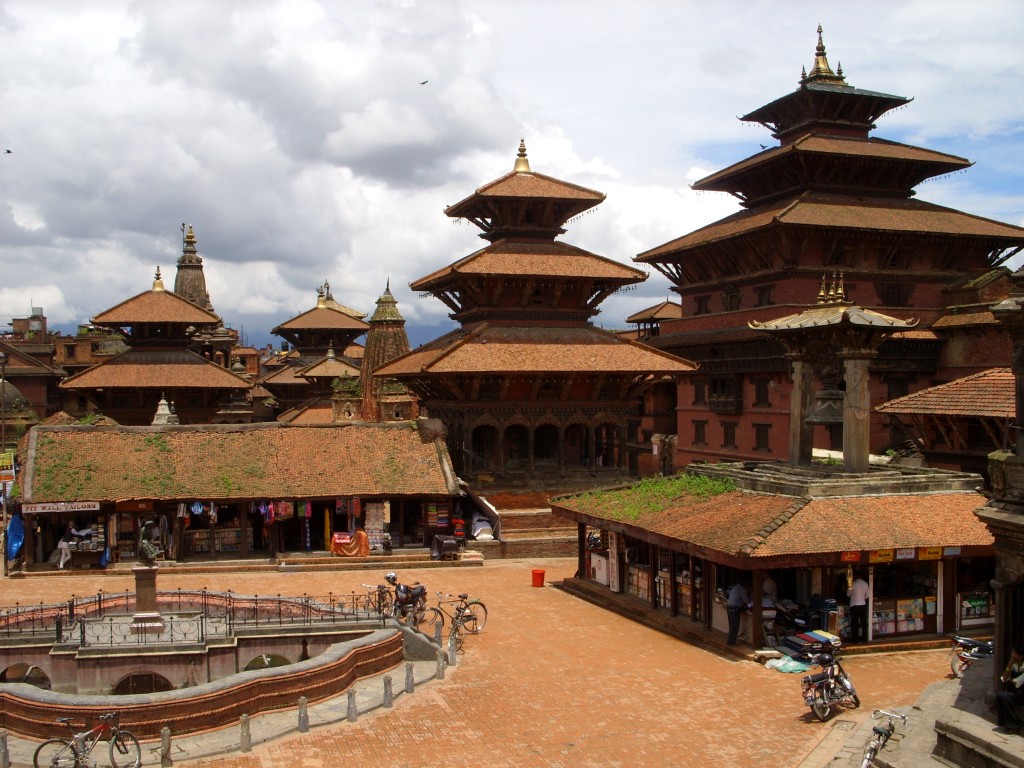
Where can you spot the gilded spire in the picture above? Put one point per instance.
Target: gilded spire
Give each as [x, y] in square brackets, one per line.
[522, 164]
[822, 294]
[821, 71]
[321, 300]
[158, 284]
[330, 352]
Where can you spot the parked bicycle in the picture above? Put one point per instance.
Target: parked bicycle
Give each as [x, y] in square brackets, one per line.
[472, 614]
[882, 734]
[378, 599]
[125, 751]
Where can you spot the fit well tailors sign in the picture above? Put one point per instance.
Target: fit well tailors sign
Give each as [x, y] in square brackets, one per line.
[60, 506]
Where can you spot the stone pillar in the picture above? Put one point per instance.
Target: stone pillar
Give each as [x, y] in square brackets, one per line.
[801, 403]
[856, 411]
[147, 617]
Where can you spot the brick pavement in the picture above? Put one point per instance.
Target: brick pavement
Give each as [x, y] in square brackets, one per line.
[555, 681]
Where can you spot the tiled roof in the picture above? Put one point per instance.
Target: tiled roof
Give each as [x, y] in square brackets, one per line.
[155, 307]
[880, 522]
[666, 310]
[501, 349]
[824, 315]
[742, 523]
[315, 411]
[844, 212]
[967, 318]
[528, 185]
[155, 368]
[323, 318]
[328, 366]
[237, 462]
[869, 148]
[534, 259]
[989, 393]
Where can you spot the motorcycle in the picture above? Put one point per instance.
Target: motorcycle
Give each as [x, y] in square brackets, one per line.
[966, 651]
[410, 600]
[826, 690]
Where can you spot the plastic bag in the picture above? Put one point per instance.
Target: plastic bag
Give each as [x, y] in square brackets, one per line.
[786, 664]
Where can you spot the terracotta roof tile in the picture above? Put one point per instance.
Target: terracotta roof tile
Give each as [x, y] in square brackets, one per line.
[534, 259]
[529, 185]
[265, 461]
[763, 525]
[967, 318]
[869, 148]
[500, 349]
[148, 368]
[838, 211]
[666, 310]
[323, 318]
[155, 307]
[988, 393]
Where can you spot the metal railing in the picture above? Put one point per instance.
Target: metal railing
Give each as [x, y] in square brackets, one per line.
[187, 616]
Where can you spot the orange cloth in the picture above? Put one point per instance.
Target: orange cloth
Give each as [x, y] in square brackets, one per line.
[351, 546]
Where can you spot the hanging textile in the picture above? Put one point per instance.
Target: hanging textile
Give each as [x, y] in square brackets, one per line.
[182, 509]
[308, 542]
[327, 528]
[213, 513]
[308, 510]
[197, 508]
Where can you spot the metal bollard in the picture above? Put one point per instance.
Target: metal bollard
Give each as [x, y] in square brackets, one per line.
[389, 696]
[353, 712]
[437, 633]
[452, 654]
[410, 678]
[303, 714]
[246, 740]
[5, 755]
[442, 662]
[165, 747]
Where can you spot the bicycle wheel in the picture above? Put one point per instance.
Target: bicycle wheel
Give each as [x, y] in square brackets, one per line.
[475, 616]
[54, 753]
[125, 751]
[456, 636]
[431, 619]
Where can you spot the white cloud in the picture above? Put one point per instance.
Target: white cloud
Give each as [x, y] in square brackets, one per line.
[296, 135]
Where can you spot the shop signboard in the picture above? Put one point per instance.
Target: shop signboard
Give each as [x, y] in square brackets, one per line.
[951, 551]
[906, 553]
[6, 467]
[929, 553]
[850, 557]
[60, 506]
[880, 556]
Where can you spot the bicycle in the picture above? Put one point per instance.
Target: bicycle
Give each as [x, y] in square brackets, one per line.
[125, 751]
[378, 599]
[472, 614]
[882, 735]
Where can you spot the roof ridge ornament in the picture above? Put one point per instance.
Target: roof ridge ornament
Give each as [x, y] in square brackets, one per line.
[821, 71]
[158, 284]
[522, 164]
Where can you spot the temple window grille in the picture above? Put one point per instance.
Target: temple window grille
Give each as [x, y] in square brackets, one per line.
[700, 432]
[761, 437]
[729, 434]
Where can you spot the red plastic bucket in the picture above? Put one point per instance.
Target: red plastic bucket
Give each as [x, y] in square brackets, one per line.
[538, 578]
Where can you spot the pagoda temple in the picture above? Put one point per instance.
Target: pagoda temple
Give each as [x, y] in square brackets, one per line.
[532, 394]
[326, 330]
[829, 199]
[157, 325]
[219, 342]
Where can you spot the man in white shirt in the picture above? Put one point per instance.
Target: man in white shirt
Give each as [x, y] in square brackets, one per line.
[859, 593]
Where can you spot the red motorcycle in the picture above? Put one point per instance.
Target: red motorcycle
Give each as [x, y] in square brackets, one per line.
[966, 651]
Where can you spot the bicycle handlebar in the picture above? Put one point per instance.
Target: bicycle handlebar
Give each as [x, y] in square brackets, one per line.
[886, 713]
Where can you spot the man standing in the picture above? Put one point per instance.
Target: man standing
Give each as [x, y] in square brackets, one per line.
[735, 606]
[1012, 696]
[858, 593]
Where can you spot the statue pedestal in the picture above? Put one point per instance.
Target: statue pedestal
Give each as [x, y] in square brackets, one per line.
[146, 617]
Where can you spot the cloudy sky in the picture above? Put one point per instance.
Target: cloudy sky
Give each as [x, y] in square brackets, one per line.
[297, 139]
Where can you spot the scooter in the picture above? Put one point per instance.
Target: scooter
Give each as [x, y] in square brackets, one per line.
[410, 600]
[826, 690]
[966, 651]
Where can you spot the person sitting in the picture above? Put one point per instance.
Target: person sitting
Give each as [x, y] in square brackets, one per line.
[1012, 697]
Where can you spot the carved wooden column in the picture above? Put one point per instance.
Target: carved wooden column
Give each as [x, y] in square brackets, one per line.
[801, 403]
[856, 411]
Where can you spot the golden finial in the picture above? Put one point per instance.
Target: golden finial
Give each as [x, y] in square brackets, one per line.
[158, 284]
[330, 352]
[190, 236]
[841, 290]
[832, 289]
[321, 301]
[522, 164]
[821, 69]
[822, 296]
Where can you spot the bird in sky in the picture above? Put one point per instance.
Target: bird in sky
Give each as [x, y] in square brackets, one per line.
[8, 152]
[424, 82]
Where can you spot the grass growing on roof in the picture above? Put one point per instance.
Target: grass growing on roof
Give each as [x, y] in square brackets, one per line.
[649, 496]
